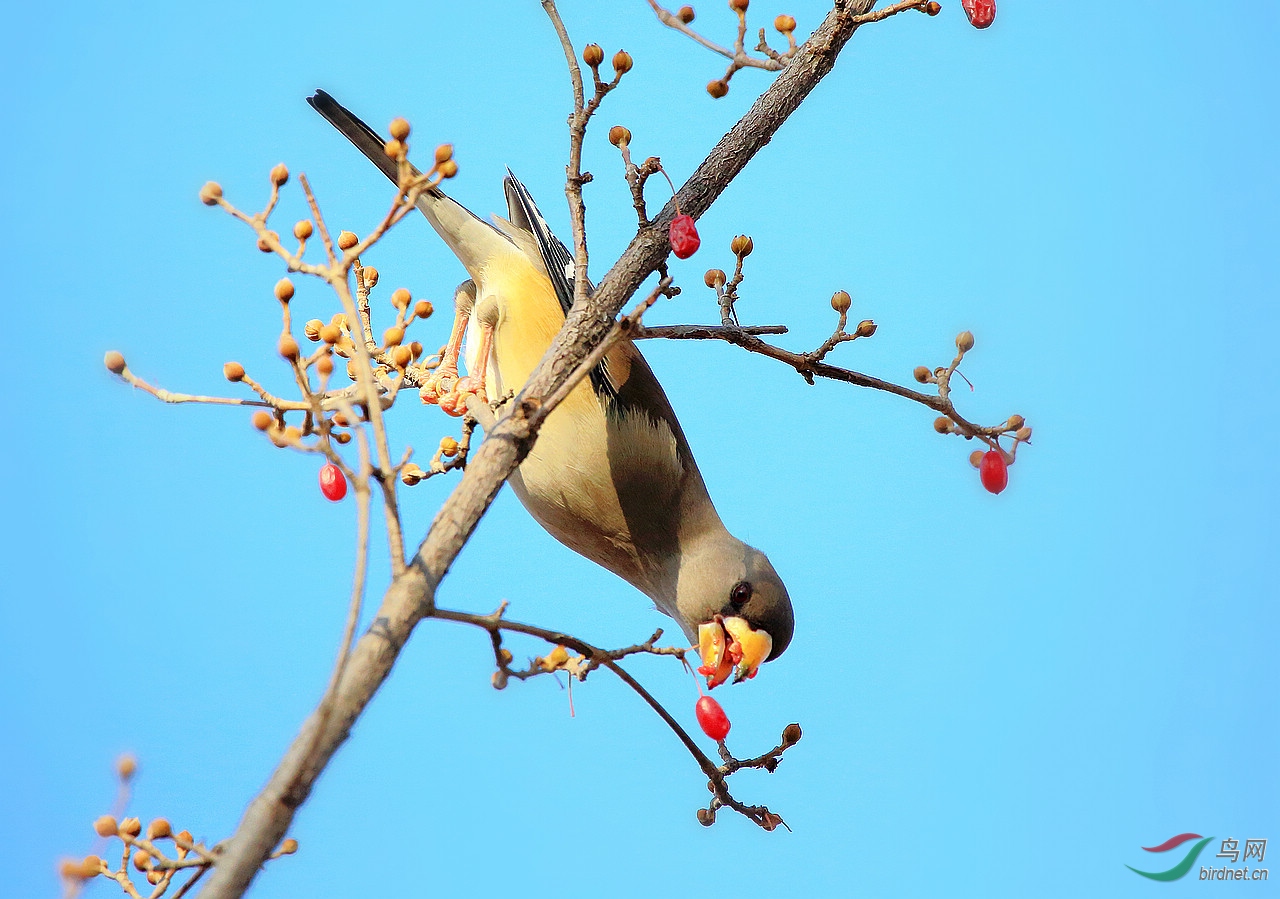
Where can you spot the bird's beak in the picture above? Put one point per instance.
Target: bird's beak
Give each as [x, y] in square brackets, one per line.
[730, 646]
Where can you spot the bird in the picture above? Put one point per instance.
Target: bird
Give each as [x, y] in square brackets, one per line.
[611, 474]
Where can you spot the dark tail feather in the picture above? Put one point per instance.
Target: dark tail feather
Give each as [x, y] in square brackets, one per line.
[365, 138]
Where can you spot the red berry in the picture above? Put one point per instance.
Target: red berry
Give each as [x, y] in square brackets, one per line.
[994, 471]
[711, 718]
[332, 484]
[981, 14]
[684, 236]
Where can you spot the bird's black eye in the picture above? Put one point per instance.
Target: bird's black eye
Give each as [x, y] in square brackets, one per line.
[741, 592]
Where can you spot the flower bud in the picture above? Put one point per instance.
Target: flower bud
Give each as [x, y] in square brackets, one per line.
[311, 330]
[392, 336]
[105, 826]
[785, 24]
[718, 89]
[866, 328]
[964, 341]
[1023, 434]
[921, 374]
[619, 135]
[154, 877]
[114, 361]
[126, 766]
[302, 229]
[211, 193]
[841, 301]
[622, 62]
[401, 356]
[593, 55]
[444, 153]
[394, 149]
[284, 290]
[714, 277]
[287, 347]
[933, 7]
[264, 244]
[685, 14]
[324, 365]
[130, 827]
[262, 419]
[448, 446]
[738, 6]
[942, 424]
[416, 348]
[400, 298]
[289, 846]
[342, 438]
[330, 334]
[347, 240]
[447, 169]
[399, 129]
[370, 276]
[706, 817]
[141, 860]
[742, 245]
[159, 829]
[184, 841]
[1015, 422]
[423, 309]
[505, 656]
[233, 372]
[279, 174]
[975, 458]
[411, 475]
[90, 866]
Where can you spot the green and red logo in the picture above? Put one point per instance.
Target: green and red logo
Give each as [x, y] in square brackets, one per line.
[1181, 867]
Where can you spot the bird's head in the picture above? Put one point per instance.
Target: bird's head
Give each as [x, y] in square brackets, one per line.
[735, 605]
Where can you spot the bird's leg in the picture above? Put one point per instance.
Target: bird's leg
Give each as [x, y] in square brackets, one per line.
[455, 401]
[444, 379]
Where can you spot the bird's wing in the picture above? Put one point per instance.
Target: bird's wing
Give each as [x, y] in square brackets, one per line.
[558, 262]
[473, 240]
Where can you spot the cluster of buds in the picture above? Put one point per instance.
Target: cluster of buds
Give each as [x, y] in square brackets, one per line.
[771, 60]
[450, 454]
[593, 56]
[146, 853]
[768, 820]
[726, 287]
[994, 462]
[397, 149]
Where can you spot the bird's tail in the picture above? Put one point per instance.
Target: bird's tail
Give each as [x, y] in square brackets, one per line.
[473, 240]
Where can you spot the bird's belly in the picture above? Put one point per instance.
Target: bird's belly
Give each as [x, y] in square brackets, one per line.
[589, 484]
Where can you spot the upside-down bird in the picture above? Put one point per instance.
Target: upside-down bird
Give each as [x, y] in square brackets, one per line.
[611, 474]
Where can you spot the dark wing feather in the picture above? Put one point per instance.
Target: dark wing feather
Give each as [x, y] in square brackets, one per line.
[523, 213]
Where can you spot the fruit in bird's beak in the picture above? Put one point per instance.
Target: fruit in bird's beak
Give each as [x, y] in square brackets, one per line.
[731, 646]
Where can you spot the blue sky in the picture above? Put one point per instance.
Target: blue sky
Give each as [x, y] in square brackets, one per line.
[1000, 695]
